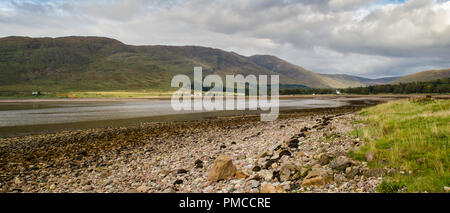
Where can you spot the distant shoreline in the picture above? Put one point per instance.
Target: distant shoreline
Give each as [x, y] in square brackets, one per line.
[36, 100]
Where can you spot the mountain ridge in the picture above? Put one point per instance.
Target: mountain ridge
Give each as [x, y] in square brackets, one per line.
[427, 75]
[361, 80]
[84, 63]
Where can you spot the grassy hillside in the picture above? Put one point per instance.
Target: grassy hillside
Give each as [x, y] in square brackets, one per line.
[80, 64]
[412, 138]
[70, 63]
[359, 81]
[103, 64]
[424, 76]
[315, 80]
[302, 75]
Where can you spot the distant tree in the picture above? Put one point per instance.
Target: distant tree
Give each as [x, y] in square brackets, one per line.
[398, 89]
[442, 88]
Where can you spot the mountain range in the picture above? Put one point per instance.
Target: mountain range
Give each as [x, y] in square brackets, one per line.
[102, 64]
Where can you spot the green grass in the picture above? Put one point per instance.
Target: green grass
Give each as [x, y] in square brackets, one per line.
[93, 94]
[390, 187]
[412, 137]
[119, 94]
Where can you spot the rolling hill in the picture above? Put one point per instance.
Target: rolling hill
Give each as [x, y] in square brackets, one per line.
[93, 63]
[300, 74]
[104, 64]
[424, 76]
[359, 81]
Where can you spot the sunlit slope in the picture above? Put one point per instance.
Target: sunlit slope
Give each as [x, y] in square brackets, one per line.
[104, 64]
[92, 63]
[300, 74]
[424, 76]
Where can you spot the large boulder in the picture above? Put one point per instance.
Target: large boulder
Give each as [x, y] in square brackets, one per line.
[269, 188]
[222, 168]
[340, 163]
[287, 170]
[241, 175]
[351, 172]
[317, 177]
[376, 172]
[315, 181]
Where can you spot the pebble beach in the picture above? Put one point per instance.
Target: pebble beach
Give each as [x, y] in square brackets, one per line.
[302, 151]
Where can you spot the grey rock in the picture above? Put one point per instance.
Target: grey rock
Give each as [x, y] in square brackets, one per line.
[324, 159]
[340, 163]
[376, 172]
[254, 183]
[370, 156]
[351, 172]
[339, 178]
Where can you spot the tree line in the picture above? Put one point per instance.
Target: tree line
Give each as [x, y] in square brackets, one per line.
[435, 86]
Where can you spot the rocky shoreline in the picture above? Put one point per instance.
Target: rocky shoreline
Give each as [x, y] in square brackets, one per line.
[302, 151]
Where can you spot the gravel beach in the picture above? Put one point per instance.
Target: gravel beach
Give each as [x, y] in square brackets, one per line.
[302, 151]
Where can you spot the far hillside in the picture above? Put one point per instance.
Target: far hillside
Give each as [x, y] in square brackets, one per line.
[353, 81]
[83, 65]
[424, 76]
[104, 64]
[300, 74]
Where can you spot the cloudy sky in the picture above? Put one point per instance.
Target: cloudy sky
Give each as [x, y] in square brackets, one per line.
[370, 38]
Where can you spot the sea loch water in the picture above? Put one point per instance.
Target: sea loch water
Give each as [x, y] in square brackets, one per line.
[35, 117]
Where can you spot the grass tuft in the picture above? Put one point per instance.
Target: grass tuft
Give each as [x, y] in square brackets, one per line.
[390, 187]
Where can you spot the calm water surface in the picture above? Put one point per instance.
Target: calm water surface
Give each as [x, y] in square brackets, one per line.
[33, 117]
